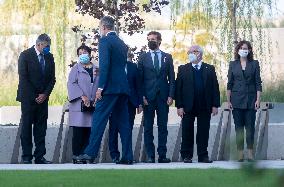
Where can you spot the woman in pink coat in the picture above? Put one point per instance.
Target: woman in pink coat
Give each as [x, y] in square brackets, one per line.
[82, 86]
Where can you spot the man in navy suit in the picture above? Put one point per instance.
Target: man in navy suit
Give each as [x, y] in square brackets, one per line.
[112, 94]
[157, 77]
[134, 102]
[36, 70]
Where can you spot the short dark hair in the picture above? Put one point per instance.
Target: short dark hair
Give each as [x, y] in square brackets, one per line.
[108, 22]
[43, 38]
[159, 36]
[84, 47]
[239, 45]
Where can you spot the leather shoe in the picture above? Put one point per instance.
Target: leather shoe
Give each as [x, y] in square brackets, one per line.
[151, 160]
[42, 161]
[250, 160]
[187, 160]
[164, 160]
[241, 160]
[26, 161]
[125, 162]
[205, 160]
[86, 159]
[115, 160]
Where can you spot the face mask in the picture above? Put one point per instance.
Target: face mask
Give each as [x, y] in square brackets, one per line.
[243, 53]
[46, 50]
[192, 57]
[152, 45]
[84, 58]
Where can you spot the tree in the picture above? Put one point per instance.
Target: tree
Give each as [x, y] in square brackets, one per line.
[125, 12]
[37, 16]
[234, 20]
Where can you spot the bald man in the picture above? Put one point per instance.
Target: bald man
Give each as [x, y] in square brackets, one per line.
[197, 96]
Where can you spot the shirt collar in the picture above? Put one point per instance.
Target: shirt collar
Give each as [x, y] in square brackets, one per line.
[110, 32]
[37, 52]
[157, 51]
[199, 64]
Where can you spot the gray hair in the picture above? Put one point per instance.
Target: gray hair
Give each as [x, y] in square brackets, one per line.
[108, 22]
[196, 47]
[43, 38]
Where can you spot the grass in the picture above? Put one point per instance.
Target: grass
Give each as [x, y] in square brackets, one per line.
[9, 86]
[139, 178]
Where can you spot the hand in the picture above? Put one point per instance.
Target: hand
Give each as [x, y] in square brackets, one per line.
[170, 101]
[85, 100]
[99, 94]
[139, 109]
[214, 111]
[257, 104]
[41, 98]
[180, 112]
[230, 106]
[145, 101]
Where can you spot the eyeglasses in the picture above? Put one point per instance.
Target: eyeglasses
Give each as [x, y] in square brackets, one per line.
[195, 51]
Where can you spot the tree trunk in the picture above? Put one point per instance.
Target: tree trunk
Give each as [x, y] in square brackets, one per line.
[234, 23]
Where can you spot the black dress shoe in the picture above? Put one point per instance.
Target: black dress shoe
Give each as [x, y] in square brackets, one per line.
[115, 160]
[187, 160]
[26, 162]
[164, 160]
[205, 160]
[125, 162]
[42, 161]
[150, 160]
[250, 160]
[76, 160]
[86, 159]
[241, 160]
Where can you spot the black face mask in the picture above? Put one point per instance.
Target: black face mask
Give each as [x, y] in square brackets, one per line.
[152, 45]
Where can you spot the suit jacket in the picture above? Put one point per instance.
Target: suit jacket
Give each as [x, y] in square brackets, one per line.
[31, 80]
[135, 97]
[112, 62]
[151, 81]
[185, 87]
[244, 86]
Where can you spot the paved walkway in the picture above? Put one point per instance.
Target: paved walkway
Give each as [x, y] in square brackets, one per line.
[269, 164]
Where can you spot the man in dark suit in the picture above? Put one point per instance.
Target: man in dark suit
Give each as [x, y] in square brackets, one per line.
[157, 77]
[197, 95]
[112, 94]
[36, 70]
[134, 102]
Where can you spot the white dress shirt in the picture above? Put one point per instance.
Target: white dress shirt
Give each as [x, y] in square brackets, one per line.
[159, 53]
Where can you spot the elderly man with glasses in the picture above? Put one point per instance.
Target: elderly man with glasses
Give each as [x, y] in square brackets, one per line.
[197, 96]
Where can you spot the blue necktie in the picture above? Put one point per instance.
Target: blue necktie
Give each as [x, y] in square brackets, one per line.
[196, 66]
[156, 62]
[41, 62]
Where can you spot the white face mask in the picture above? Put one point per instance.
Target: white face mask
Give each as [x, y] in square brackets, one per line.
[243, 53]
[192, 57]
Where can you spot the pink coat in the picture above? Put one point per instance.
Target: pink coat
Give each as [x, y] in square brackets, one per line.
[79, 83]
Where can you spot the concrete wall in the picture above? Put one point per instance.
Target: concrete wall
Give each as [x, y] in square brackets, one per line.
[10, 118]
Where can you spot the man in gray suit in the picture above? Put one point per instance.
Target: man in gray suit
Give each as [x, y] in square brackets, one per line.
[157, 77]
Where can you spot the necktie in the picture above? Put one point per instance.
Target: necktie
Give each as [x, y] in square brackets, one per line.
[196, 66]
[41, 62]
[156, 62]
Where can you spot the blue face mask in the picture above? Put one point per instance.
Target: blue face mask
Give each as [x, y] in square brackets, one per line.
[46, 50]
[84, 58]
[192, 57]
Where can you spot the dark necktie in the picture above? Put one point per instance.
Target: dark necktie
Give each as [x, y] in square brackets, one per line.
[156, 62]
[41, 62]
[196, 66]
